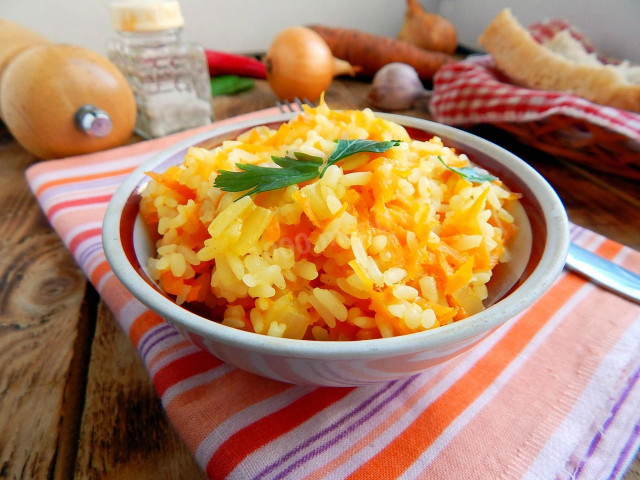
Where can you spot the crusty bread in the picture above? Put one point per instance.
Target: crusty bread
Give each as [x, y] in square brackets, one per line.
[530, 64]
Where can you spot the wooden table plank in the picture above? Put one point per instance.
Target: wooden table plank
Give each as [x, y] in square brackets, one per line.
[41, 292]
[125, 433]
[75, 388]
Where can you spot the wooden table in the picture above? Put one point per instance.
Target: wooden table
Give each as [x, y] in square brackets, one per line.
[74, 396]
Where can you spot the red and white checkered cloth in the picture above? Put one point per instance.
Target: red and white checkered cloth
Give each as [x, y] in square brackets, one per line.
[475, 91]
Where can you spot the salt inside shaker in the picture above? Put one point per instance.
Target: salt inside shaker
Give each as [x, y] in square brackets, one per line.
[168, 76]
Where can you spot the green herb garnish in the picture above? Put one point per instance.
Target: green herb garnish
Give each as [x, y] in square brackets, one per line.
[302, 168]
[229, 84]
[469, 173]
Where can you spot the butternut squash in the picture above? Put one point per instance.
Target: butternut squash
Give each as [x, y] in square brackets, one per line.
[15, 38]
[43, 88]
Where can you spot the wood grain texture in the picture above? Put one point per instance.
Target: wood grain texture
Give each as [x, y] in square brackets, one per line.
[75, 387]
[41, 291]
[633, 473]
[258, 98]
[344, 93]
[125, 433]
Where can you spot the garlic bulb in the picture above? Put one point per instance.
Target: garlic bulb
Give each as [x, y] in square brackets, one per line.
[396, 86]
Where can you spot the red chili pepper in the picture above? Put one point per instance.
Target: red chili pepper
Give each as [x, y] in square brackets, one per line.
[221, 63]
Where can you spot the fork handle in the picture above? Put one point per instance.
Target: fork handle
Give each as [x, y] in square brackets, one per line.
[603, 272]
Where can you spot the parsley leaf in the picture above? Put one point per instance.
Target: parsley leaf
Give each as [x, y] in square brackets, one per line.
[256, 179]
[469, 173]
[229, 84]
[345, 148]
[302, 168]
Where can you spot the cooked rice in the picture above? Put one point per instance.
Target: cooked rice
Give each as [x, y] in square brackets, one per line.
[384, 244]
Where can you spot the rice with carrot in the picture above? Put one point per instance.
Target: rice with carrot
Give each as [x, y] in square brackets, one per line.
[384, 243]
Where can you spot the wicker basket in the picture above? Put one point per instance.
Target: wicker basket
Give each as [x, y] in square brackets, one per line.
[590, 145]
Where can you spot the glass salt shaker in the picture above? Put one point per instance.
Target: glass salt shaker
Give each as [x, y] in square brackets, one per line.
[169, 77]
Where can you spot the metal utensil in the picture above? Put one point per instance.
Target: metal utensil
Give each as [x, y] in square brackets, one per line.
[286, 106]
[93, 121]
[603, 272]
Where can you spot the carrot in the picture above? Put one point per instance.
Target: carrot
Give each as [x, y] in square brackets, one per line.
[171, 284]
[272, 232]
[305, 204]
[369, 52]
[173, 184]
[194, 293]
[460, 277]
[150, 218]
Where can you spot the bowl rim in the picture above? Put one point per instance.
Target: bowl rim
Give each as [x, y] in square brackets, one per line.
[540, 280]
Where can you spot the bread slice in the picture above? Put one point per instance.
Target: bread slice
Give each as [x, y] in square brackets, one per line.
[530, 64]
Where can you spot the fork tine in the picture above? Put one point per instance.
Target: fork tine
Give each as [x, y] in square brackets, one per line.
[286, 106]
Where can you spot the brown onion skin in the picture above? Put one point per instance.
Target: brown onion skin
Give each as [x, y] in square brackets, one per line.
[427, 30]
[299, 64]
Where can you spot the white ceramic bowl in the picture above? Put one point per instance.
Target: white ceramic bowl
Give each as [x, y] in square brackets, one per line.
[539, 256]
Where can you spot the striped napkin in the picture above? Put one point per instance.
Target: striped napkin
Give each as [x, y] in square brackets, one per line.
[553, 393]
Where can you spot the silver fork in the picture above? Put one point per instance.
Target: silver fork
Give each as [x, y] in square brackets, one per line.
[286, 106]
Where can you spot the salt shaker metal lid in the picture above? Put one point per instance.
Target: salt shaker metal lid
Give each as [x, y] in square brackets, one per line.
[145, 15]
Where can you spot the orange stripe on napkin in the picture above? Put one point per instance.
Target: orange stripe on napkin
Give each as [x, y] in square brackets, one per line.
[77, 202]
[82, 178]
[390, 420]
[142, 325]
[608, 249]
[266, 429]
[101, 270]
[183, 368]
[163, 353]
[531, 419]
[410, 444]
[244, 388]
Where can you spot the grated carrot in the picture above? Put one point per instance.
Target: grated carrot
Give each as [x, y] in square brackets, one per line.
[171, 284]
[460, 277]
[404, 217]
[172, 184]
[272, 233]
[305, 204]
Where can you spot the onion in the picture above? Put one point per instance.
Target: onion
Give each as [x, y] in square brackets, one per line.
[427, 30]
[300, 65]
